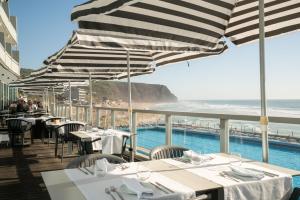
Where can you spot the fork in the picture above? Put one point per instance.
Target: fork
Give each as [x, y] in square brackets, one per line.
[114, 189]
[228, 177]
[107, 191]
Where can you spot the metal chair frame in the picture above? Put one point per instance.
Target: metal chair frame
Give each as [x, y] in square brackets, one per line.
[89, 160]
[166, 151]
[16, 127]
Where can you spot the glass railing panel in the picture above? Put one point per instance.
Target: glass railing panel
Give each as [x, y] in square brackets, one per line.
[284, 146]
[13, 20]
[199, 134]
[151, 130]
[245, 139]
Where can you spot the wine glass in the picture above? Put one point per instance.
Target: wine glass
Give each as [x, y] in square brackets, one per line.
[235, 159]
[142, 172]
[196, 158]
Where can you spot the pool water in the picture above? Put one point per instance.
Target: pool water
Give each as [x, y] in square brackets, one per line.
[206, 142]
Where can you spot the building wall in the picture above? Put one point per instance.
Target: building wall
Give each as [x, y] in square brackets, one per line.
[9, 55]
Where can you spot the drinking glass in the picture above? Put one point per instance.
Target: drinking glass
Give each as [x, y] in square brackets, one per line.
[235, 159]
[196, 158]
[142, 172]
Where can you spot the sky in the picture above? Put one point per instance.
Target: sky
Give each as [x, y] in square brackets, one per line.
[44, 27]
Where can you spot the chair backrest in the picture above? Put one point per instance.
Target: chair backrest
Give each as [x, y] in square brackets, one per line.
[17, 125]
[296, 194]
[67, 128]
[54, 119]
[89, 160]
[166, 151]
[125, 139]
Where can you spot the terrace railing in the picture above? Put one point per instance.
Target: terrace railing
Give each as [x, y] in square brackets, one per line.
[82, 113]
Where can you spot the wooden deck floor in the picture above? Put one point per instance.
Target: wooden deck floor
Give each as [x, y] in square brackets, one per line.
[20, 168]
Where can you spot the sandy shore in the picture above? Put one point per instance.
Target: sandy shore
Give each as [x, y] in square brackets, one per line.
[121, 118]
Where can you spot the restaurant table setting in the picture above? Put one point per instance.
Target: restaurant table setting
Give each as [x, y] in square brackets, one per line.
[111, 139]
[193, 176]
[126, 181]
[32, 120]
[240, 179]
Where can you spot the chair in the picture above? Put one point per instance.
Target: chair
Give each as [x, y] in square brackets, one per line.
[87, 147]
[18, 127]
[166, 151]
[125, 139]
[63, 132]
[49, 131]
[296, 194]
[89, 160]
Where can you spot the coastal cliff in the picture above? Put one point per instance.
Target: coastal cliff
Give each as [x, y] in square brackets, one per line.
[141, 92]
[116, 90]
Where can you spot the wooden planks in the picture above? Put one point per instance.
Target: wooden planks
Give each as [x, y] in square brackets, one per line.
[20, 168]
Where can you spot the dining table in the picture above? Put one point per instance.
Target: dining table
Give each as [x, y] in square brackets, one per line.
[110, 140]
[51, 126]
[174, 178]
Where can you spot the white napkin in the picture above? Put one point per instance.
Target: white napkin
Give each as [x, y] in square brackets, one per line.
[102, 167]
[134, 187]
[245, 174]
[189, 154]
[196, 157]
[95, 129]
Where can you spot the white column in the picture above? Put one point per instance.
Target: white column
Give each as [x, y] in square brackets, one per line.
[168, 122]
[129, 106]
[224, 136]
[264, 117]
[70, 101]
[91, 100]
[134, 131]
[98, 123]
[112, 119]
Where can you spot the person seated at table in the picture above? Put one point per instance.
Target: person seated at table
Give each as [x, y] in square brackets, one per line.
[29, 106]
[20, 105]
[34, 105]
[39, 105]
[13, 107]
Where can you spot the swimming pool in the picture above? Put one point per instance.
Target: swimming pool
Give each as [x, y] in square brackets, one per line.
[206, 142]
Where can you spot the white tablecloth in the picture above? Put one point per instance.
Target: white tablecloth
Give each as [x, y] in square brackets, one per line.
[93, 187]
[33, 119]
[275, 188]
[111, 140]
[4, 138]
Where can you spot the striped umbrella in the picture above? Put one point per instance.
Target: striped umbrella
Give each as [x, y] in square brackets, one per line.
[164, 25]
[190, 25]
[192, 22]
[85, 53]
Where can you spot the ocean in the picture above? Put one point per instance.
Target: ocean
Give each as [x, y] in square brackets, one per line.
[280, 108]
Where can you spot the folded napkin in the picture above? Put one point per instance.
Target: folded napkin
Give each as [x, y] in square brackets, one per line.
[102, 167]
[244, 174]
[133, 186]
[196, 157]
[95, 129]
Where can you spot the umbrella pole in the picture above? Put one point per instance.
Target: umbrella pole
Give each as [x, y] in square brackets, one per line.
[47, 100]
[54, 107]
[130, 108]
[264, 117]
[70, 100]
[91, 99]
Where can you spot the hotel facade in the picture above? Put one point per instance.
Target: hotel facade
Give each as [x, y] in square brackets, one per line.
[9, 55]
